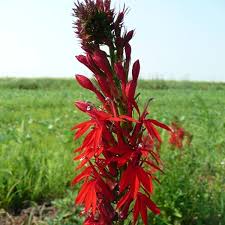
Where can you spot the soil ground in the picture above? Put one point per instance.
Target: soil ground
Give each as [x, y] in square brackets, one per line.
[30, 216]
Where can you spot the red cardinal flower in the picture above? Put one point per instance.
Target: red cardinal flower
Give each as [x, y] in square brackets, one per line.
[179, 137]
[142, 203]
[119, 154]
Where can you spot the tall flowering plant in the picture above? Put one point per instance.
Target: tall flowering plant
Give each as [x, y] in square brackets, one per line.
[179, 137]
[119, 155]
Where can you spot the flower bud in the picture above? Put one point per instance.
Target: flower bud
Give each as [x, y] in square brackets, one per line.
[83, 106]
[128, 51]
[129, 36]
[102, 62]
[120, 71]
[85, 82]
[136, 70]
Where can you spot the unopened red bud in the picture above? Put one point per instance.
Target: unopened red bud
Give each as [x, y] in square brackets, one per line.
[85, 60]
[136, 70]
[127, 90]
[119, 18]
[83, 106]
[82, 59]
[90, 61]
[128, 51]
[129, 36]
[120, 71]
[100, 59]
[85, 82]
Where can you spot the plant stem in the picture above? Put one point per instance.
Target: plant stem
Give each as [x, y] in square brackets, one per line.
[119, 223]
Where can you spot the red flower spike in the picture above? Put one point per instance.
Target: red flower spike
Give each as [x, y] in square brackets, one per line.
[119, 155]
[179, 136]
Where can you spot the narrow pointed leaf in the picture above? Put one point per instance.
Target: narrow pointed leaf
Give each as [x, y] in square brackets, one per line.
[82, 175]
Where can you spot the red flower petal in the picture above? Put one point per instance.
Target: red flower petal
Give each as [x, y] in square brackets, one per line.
[129, 36]
[120, 71]
[143, 211]
[128, 51]
[82, 175]
[123, 200]
[136, 210]
[129, 118]
[152, 130]
[151, 205]
[136, 70]
[102, 62]
[85, 82]
[125, 179]
[145, 179]
[135, 186]
[157, 123]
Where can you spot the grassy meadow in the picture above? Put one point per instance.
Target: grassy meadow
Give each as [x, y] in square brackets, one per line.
[36, 145]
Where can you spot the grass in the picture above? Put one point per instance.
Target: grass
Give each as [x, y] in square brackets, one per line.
[36, 147]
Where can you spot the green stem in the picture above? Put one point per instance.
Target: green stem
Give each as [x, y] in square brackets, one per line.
[122, 110]
[119, 223]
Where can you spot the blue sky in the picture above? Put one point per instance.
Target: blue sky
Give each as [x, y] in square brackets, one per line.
[174, 39]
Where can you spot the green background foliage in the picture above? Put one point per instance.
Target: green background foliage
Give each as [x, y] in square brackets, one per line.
[36, 147]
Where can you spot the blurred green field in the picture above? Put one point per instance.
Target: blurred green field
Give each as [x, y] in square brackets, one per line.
[36, 147]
